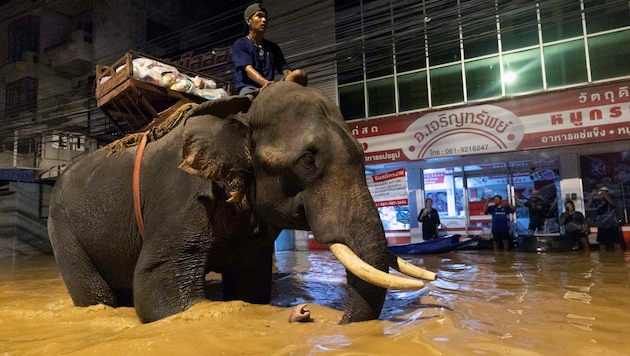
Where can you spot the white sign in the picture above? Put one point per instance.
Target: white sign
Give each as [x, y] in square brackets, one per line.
[389, 189]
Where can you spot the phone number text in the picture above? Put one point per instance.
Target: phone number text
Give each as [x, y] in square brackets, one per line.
[458, 150]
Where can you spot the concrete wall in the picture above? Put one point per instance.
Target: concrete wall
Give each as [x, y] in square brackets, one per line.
[23, 212]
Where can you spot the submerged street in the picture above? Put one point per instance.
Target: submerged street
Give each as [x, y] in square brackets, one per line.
[482, 303]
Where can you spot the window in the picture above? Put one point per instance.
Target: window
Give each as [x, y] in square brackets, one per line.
[483, 78]
[442, 32]
[21, 95]
[602, 15]
[350, 65]
[446, 85]
[381, 97]
[518, 22]
[23, 36]
[350, 53]
[409, 37]
[504, 45]
[378, 44]
[479, 28]
[560, 20]
[565, 64]
[609, 55]
[378, 57]
[610, 170]
[522, 72]
[352, 101]
[412, 91]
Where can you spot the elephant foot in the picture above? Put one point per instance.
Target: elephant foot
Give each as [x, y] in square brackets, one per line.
[300, 314]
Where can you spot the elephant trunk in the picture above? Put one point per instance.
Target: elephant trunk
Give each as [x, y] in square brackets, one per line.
[354, 232]
[364, 300]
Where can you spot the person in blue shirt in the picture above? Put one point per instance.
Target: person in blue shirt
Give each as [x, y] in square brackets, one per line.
[500, 222]
[257, 59]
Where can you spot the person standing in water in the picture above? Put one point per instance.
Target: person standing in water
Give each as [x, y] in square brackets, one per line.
[500, 222]
[430, 220]
[575, 224]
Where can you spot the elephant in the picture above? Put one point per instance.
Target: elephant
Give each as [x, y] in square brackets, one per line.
[215, 188]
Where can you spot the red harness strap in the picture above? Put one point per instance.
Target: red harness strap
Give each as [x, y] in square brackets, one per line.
[136, 184]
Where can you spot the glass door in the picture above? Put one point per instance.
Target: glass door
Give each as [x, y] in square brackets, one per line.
[532, 192]
[535, 196]
[481, 188]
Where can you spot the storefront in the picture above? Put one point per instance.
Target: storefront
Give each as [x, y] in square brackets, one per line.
[565, 144]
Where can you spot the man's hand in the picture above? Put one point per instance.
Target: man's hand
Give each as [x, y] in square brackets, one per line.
[266, 84]
[254, 75]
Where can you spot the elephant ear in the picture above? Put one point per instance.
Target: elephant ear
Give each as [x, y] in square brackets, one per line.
[217, 149]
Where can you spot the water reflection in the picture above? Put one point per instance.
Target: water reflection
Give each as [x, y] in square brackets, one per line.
[482, 303]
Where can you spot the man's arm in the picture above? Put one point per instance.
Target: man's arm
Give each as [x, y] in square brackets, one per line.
[563, 217]
[609, 199]
[423, 213]
[511, 207]
[254, 75]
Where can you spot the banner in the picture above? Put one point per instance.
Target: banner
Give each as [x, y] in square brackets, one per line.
[573, 117]
[389, 189]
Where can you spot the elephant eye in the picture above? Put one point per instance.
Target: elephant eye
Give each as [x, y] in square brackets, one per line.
[306, 166]
[307, 161]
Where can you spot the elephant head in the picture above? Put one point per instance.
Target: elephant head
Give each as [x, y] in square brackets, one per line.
[309, 174]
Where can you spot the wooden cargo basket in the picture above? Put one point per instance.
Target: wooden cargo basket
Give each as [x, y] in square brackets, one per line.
[130, 103]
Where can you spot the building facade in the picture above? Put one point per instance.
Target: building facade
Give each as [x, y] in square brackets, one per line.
[468, 98]
[477, 98]
[48, 111]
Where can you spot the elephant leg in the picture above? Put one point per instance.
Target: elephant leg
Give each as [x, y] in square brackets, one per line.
[85, 284]
[169, 284]
[252, 283]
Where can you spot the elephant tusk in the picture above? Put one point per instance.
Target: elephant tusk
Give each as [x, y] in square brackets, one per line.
[409, 269]
[363, 270]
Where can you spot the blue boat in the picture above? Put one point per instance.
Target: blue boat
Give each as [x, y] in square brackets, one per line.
[439, 245]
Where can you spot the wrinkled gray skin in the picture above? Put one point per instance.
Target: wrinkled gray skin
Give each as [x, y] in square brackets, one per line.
[306, 172]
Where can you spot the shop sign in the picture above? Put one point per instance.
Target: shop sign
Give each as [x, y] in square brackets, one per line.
[18, 175]
[434, 178]
[389, 189]
[206, 60]
[573, 117]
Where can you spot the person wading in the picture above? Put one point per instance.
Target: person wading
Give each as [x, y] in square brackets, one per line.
[430, 220]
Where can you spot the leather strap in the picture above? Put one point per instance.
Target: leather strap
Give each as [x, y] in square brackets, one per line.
[136, 184]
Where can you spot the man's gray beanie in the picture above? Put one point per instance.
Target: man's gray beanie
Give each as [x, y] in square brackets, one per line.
[252, 9]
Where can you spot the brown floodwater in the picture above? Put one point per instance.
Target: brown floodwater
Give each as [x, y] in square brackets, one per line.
[482, 304]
